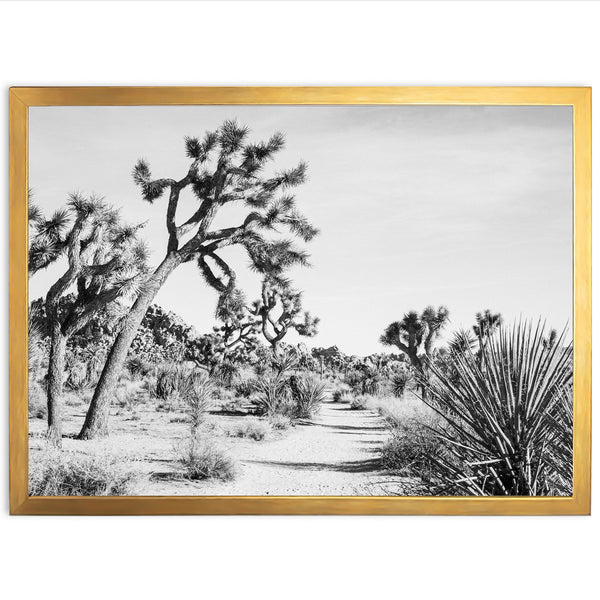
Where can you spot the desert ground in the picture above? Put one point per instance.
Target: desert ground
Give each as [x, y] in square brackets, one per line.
[336, 453]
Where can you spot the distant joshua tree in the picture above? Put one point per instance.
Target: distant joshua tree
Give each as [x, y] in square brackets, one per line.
[105, 262]
[415, 334]
[224, 169]
[486, 324]
[279, 297]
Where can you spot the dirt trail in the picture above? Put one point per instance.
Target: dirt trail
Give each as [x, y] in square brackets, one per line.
[336, 454]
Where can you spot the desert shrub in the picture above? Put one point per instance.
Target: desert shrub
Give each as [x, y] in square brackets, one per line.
[202, 459]
[252, 428]
[279, 422]
[359, 402]
[502, 430]
[225, 373]
[198, 400]
[138, 368]
[77, 376]
[175, 383]
[271, 395]
[59, 474]
[35, 344]
[412, 449]
[285, 361]
[244, 388]
[125, 395]
[37, 401]
[341, 392]
[342, 396]
[365, 380]
[307, 394]
[399, 382]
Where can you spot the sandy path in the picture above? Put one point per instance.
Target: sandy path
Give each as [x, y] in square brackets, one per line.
[336, 454]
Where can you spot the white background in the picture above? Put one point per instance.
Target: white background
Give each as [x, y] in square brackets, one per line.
[316, 43]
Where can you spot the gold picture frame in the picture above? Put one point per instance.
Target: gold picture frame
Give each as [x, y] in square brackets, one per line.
[21, 98]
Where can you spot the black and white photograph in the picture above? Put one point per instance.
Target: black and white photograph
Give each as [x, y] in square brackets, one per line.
[336, 300]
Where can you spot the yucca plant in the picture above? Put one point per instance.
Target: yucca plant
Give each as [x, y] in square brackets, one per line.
[308, 393]
[400, 381]
[198, 400]
[271, 394]
[507, 430]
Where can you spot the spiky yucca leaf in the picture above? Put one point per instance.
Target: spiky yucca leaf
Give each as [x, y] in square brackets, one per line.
[499, 413]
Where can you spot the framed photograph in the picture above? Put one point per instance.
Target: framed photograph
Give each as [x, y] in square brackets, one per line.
[300, 300]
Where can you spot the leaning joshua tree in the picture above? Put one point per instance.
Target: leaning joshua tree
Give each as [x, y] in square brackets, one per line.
[224, 169]
[105, 263]
[415, 334]
[279, 309]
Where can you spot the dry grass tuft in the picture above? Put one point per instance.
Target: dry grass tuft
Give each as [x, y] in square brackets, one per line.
[56, 473]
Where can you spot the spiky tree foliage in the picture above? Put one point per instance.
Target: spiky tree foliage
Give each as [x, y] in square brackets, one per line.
[508, 416]
[415, 335]
[462, 341]
[279, 309]
[224, 169]
[105, 263]
[47, 237]
[486, 324]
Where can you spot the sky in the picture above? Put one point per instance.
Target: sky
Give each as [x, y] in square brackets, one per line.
[465, 206]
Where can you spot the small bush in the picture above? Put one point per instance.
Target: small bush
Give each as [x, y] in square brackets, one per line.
[138, 368]
[37, 402]
[77, 376]
[251, 428]
[342, 396]
[279, 422]
[341, 392]
[272, 395]
[359, 402]
[201, 459]
[125, 397]
[411, 450]
[59, 474]
[399, 382]
[244, 388]
[173, 383]
[198, 400]
[308, 392]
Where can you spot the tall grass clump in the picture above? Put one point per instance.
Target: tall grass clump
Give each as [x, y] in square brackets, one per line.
[399, 382]
[202, 459]
[251, 428]
[271, 394]
[308, 392]
[198, 399]
[508, 430]
[56, 473]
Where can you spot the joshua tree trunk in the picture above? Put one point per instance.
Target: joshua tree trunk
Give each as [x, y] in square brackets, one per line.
[96, 421]
[56, 368]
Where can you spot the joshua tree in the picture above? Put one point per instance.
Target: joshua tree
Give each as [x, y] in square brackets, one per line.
[278, 295]
[105, 262]
[224, 169]
[486, 324]
[415, 334]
